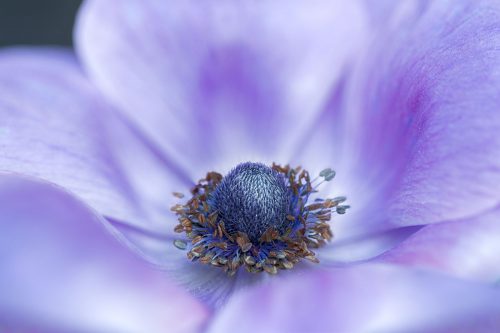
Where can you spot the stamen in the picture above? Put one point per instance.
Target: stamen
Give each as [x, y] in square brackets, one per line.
[257, 217]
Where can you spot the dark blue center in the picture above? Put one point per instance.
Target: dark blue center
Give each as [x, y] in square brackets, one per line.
[251, 199]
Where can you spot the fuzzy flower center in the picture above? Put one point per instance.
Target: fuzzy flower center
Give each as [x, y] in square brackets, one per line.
[251, 199]
[256, 216]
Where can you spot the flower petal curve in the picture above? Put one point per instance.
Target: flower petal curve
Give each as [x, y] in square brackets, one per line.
[467, 248]
[55, 126]
[368, 298]
[64, 270]
[49, 129]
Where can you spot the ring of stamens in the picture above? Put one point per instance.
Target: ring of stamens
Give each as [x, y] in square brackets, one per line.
[208, 241]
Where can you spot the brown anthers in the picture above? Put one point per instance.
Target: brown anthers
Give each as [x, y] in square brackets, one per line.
[208, 241]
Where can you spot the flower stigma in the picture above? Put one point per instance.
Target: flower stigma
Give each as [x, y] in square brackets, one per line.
[256, 216]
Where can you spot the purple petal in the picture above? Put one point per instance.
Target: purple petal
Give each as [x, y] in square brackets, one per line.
[56, 127]
[383, 13]
[63, 271]
[428, 119]
[348, 249]
[218, 82]
[413, 135]
[468, 248]
[52, 127]
[363, 299]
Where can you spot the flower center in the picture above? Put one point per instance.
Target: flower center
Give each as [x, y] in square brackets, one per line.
[257, 217]
[251, 199]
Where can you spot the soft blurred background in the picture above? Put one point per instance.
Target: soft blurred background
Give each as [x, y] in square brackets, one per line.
[37, 22]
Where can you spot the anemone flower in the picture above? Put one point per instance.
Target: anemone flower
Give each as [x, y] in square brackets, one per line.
[151, 182]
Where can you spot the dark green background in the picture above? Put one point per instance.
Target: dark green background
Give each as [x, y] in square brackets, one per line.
[37, 22]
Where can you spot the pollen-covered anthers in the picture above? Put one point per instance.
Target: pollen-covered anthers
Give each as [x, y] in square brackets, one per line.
[209, 242]
[310, 220]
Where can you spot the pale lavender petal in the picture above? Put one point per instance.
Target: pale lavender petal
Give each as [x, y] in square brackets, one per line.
[384, 13]
[468, 248]
[348, 249]
[331, 142]
[414, 140]
[218, 82]
[64, 270]
[53, 127]
[428, 113]
[370, 298]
